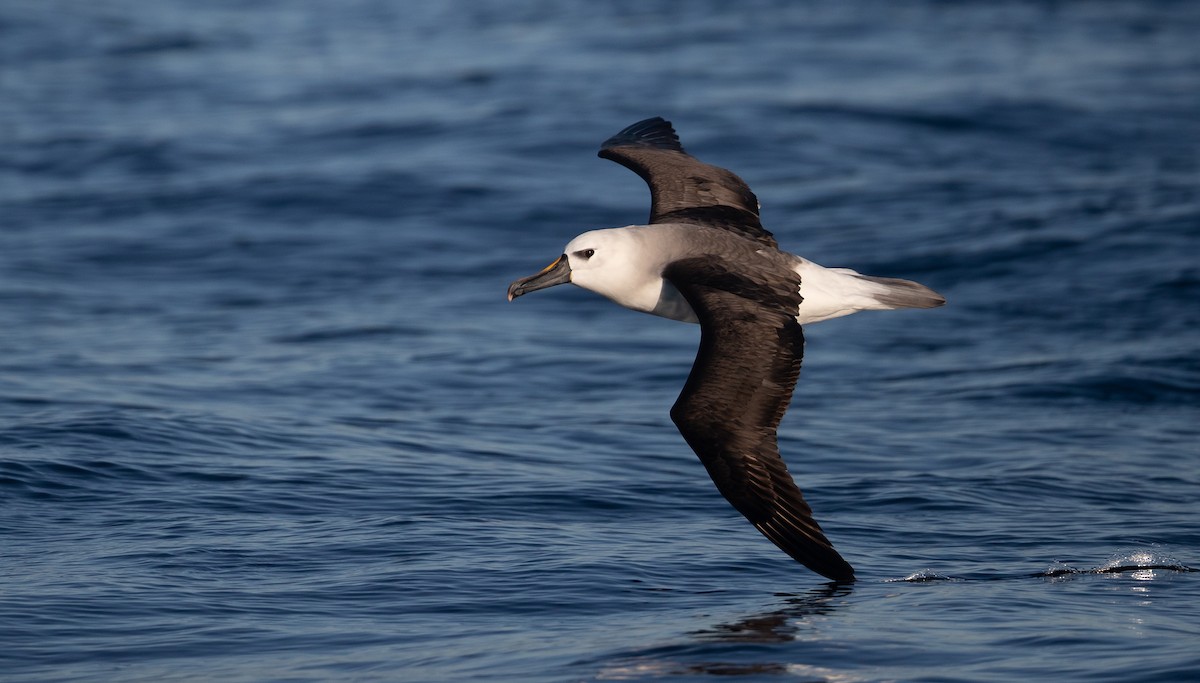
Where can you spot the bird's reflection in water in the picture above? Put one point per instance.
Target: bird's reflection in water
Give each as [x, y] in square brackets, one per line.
[720, 650]
[781, 625]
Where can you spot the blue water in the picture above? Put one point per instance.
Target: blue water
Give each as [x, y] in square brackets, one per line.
[265, 414]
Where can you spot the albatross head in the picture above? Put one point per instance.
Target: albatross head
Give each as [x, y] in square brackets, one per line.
[613, 263]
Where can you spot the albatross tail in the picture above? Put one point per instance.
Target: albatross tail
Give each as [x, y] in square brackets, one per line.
[834, 292]
[890, 292]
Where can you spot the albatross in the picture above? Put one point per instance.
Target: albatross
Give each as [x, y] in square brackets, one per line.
[704, 257]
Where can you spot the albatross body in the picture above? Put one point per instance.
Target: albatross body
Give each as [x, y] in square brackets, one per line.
[705, 258]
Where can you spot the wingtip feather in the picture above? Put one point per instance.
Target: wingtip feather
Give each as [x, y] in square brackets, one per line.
[655, 132]
[810, 549]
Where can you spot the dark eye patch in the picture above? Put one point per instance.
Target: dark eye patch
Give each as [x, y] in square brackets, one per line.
[585, 253]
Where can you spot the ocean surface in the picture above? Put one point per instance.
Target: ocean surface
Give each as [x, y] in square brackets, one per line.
[265, 414]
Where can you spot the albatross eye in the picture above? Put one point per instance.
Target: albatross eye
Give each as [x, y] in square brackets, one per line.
[585, 254]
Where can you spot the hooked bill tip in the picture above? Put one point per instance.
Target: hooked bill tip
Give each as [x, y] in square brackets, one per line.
[556, 273]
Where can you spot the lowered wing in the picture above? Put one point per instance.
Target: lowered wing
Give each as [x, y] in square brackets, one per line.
[741, 383]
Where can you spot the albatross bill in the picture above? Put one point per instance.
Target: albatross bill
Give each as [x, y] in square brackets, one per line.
[705, 258]
[556, 273]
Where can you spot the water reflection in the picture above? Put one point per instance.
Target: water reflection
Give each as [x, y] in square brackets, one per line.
[722, 649]
[781, 625]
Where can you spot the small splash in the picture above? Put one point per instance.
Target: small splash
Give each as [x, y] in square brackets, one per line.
[922, 576]
[1060, 569]
[1140, 563]
[1141, 560]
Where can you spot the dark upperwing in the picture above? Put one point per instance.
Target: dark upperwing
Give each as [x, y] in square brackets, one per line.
[683, 189]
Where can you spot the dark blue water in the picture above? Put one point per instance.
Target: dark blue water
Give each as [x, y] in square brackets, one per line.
[265, 414]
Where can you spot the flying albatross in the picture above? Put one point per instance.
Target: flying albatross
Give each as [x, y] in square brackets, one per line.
[705, 258]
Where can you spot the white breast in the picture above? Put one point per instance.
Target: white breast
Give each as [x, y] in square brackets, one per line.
[671, 304]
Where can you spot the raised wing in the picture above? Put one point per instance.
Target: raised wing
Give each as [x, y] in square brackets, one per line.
[683, 189]
[741, 383]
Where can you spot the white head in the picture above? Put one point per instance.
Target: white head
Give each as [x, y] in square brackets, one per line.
[613, 263]
[609, 262]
